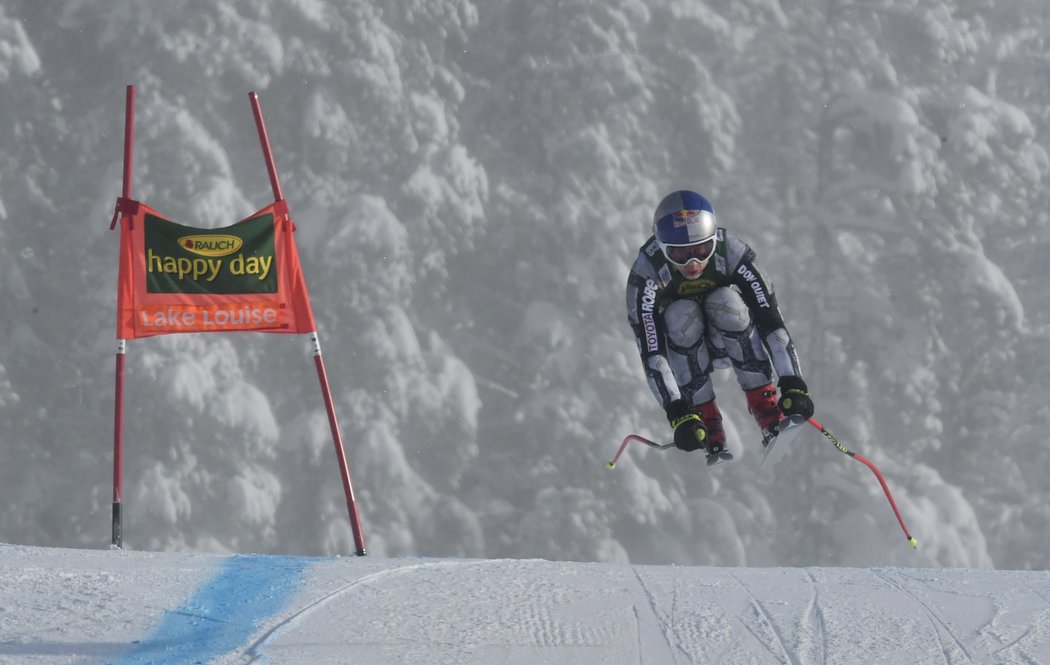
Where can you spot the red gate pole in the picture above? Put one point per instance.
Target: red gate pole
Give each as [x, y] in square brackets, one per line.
[264, 139]
[337, 439]
[118, 397]
[322, 375]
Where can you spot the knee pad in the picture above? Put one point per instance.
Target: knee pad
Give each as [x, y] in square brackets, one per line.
[729, 317]
[727, 311]
[687, 350]
[684, 323]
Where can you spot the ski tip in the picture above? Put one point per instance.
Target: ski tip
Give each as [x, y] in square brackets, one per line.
[914, 543]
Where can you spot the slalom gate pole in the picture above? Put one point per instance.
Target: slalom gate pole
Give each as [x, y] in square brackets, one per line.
[118, 447]
[882, 481]
[611, 464]
[322, 375]
[264, 139]
[118, 390]
[340, 453]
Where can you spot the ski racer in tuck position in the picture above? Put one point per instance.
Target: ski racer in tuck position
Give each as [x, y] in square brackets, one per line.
[696, 302]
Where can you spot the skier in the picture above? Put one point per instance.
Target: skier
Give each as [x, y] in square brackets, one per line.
[696, 302]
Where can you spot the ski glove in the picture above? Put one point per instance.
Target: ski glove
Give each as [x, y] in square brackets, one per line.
[689, 431]
[794, 397]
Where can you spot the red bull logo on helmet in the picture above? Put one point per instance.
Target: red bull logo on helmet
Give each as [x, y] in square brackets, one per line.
[685, 218]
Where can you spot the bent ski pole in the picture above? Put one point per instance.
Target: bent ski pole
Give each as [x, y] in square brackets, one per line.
[874, 469]
[611, 464]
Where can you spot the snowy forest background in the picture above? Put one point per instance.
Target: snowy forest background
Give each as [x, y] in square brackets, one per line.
[471, 182]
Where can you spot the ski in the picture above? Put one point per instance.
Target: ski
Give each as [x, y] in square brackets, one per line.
[788, 429]
[718, 459]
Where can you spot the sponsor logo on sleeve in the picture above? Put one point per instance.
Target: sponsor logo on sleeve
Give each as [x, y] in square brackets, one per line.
[665, 275]
[652, 341]
[720, 264]
[756, 286]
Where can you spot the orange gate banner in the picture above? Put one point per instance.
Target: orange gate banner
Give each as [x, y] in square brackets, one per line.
[179, 279]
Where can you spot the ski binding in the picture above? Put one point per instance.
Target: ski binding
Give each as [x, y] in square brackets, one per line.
[717, 459]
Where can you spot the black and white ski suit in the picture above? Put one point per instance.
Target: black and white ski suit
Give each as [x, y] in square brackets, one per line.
[726, 317]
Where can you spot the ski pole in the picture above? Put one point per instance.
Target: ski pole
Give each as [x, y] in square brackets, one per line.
[882, 481]
[611, 464]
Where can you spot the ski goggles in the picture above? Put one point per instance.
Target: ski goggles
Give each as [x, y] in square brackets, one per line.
[683, 254]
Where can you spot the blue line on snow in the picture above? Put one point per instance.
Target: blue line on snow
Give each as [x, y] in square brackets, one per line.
[224, 613]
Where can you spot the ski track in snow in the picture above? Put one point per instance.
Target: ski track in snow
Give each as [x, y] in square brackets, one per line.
[767, 619]
[254, 651]
[653, 623]
[815, 614]
[1039, 594]
[939, 624]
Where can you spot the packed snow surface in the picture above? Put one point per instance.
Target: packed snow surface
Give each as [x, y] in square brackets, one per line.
[124, 608]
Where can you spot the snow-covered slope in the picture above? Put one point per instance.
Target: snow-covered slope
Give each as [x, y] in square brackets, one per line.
[131, 608]
[470, 181]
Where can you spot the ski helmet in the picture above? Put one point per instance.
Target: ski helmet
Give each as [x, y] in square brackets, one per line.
[684, 226]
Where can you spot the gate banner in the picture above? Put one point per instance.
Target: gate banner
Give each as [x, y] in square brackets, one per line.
[179, 279]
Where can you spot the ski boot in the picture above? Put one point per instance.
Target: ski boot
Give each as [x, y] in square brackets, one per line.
[762, 404]
[717, 453]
